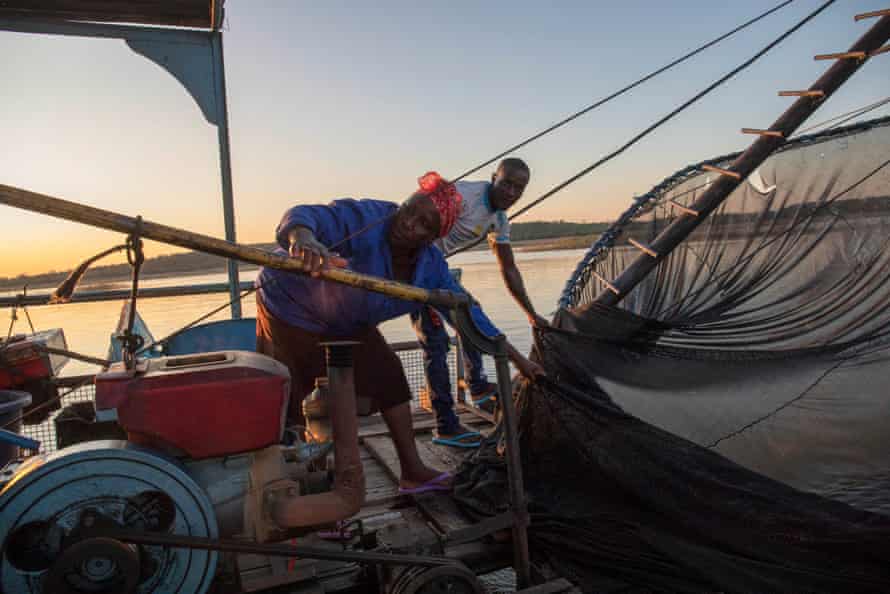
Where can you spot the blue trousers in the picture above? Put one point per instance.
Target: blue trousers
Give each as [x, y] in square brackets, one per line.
[435, 343]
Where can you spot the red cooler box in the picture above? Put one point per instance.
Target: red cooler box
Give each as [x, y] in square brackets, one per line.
[202, 406]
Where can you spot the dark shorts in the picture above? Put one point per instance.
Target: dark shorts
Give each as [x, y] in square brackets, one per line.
[378, 370]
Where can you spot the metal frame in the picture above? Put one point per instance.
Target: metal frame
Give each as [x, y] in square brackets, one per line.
[195, 58]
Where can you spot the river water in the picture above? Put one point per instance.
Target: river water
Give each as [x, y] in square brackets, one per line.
[88, 326]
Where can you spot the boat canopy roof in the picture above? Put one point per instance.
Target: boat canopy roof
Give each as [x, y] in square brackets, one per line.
[203, 14]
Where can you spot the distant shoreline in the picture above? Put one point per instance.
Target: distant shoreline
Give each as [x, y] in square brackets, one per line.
[52, 280]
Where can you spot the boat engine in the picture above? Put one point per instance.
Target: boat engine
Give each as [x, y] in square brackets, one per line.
[206, 455]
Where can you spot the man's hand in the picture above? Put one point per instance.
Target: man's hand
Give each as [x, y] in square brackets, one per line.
[529, 369]
[538, 322]
[304, 246]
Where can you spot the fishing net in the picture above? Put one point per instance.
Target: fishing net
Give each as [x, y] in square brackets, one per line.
[724, 427]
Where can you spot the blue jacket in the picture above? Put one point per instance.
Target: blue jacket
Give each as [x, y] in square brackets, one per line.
[329, 308]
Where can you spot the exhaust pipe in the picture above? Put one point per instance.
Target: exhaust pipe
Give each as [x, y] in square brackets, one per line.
[349, 480]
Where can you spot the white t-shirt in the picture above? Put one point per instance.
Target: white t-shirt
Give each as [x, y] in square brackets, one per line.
[477, 218]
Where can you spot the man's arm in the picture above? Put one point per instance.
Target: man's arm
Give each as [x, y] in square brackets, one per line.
[513, 281]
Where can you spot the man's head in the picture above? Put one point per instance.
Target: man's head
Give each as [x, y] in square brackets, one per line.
[508, 183]
[429, 213]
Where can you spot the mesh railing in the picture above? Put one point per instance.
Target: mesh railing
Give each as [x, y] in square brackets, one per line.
[75, 390]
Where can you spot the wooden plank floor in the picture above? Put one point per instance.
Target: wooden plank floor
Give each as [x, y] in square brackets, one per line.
[381, 467]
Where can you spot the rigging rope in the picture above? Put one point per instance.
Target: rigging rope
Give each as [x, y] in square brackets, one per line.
[590, 108]
[665, 119]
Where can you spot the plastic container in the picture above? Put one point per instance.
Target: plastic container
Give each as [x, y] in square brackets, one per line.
[11, 405]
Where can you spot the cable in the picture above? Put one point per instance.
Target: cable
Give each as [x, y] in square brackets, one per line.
[674, 113]
[588, 109]
[846, 117]
[620, 92]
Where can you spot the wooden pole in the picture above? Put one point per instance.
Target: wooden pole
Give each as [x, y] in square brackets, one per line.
[746, 163]
[81, 213]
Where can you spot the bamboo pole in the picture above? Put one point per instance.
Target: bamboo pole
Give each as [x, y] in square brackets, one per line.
[747, 162]
[81, 213]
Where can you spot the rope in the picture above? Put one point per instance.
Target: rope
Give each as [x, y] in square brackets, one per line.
[846, 117]
[660, 122]
[586, 110]
[620, 92]
[676, 111]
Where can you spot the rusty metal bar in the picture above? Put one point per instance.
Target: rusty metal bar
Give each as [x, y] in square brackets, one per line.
[747, 162]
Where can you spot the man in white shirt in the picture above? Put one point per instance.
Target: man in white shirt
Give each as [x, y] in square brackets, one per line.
[483, 213]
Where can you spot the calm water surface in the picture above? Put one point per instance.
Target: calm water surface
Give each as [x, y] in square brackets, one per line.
[88, 326]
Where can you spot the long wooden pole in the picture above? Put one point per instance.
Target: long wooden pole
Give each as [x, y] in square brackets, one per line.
[747, 162]
[81, 213]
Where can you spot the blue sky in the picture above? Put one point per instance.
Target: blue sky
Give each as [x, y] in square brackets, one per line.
[331, 99]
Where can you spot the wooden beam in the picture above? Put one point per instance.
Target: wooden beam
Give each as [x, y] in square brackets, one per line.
[682, 208]
[811, 93]
[642, 247]
[721, 171]
[774, 133]
[842, 56]
[870, 15]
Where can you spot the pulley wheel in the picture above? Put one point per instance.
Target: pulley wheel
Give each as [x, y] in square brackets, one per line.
[94, 566]
[43, 507]
[450, 579]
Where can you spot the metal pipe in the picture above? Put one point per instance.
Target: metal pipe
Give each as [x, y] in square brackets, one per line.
[225, 162]
[97, 217]
[31, 300]
[521, 559]
[747, 162]
[349, 480]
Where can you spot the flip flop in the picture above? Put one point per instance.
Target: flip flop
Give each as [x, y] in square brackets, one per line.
[455, 440]
[434, 484]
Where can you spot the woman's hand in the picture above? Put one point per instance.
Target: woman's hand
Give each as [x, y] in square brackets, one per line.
[315, 257]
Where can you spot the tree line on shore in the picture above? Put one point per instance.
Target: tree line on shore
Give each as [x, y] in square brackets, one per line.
[198, 263]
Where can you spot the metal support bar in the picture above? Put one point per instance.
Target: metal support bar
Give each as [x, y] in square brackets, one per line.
[225, 162]
[775, 133]
[880, 50]
[121, 294]
[497, 347]
[722, 171]
[746, 163]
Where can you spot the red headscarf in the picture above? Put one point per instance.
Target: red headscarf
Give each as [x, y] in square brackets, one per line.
[446, 198]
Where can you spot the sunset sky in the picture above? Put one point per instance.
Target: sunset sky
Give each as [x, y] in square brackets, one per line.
[334, 99]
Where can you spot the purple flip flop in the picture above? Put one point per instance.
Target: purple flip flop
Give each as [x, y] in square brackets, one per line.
[434, 484]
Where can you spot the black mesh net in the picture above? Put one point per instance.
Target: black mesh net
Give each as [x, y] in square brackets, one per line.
[724, 427]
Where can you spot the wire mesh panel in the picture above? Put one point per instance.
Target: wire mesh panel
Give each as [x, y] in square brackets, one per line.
[412, 362]
[79, 389]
